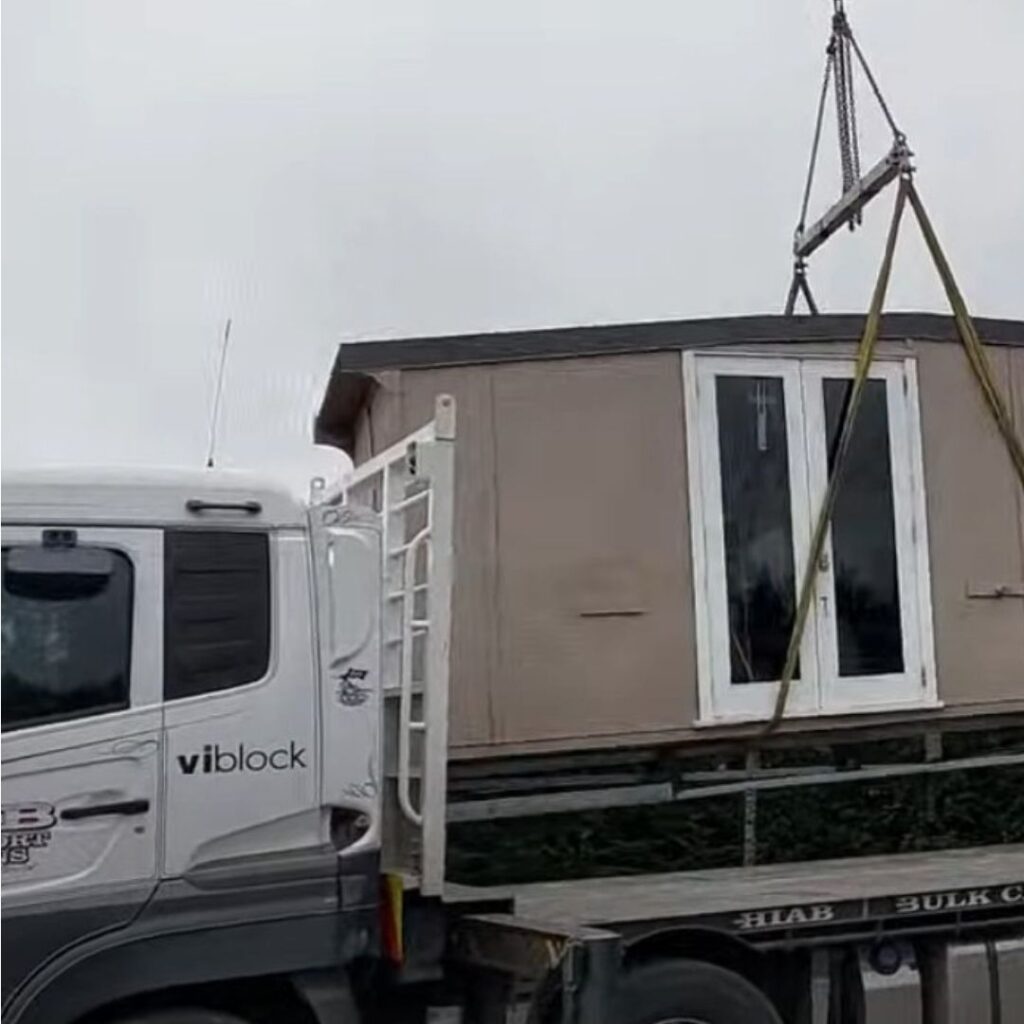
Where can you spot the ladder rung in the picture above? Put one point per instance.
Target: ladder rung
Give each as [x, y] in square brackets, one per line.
[418, 629]
[402, 549]
[406, 502]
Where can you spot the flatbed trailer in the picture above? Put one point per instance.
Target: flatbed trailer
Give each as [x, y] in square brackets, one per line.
[868, 935]
[780, 904]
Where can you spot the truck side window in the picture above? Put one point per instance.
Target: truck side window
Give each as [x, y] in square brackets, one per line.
[67, 633]
[216, 610]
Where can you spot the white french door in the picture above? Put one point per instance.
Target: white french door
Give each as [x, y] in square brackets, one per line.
[760, 433]
[868, 620]
[751, 492]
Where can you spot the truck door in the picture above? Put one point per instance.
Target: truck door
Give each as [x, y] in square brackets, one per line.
[82, 733]
[239, 712]
[348, 577]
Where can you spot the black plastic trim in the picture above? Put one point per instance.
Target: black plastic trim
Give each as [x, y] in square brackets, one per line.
[198, 505]
[601, 339]
[122, 807]
[356, 366]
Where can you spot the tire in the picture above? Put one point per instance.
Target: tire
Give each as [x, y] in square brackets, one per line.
[184, 1015]
[690, 992]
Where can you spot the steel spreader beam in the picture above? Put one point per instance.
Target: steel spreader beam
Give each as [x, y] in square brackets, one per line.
[894, 164]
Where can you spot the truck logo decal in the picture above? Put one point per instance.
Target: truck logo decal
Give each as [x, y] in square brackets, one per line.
[350, 693]
[985, 898]
[26, 827]
[960, 899]
[780, 917]
[217, 760]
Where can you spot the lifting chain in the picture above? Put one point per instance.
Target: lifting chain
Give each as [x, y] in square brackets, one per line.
[840, 54]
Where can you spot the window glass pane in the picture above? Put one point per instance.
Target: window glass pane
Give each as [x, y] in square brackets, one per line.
[67, 621]
[757, 524]
[864, 537]
[216, 610]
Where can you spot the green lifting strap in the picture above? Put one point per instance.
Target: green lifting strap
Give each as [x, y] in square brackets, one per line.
[865, 354]
[969, 337]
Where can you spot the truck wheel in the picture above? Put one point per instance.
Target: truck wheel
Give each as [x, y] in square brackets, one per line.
[690, 992]
[184, 1015]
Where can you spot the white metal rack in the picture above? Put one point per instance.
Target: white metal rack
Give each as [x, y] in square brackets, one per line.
[410, 486]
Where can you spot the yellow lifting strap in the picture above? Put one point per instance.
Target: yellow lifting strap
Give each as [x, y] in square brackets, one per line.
[865, 354]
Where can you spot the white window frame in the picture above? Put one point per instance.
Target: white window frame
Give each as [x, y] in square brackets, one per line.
[820, 691]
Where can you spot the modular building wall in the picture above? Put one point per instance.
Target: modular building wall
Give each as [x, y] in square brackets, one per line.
[575, 608]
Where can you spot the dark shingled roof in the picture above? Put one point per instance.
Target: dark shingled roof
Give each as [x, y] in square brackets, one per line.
[351, 378]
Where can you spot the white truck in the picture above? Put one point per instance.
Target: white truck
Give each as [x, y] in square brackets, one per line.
[225, 798]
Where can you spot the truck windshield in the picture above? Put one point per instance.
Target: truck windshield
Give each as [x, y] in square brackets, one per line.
[66, 633]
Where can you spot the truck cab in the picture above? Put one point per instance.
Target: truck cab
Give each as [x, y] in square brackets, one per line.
[193, 713]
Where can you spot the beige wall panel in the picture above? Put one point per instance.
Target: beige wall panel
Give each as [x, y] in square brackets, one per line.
[366, 443]
[573, 617]
[474, 670]
[382, 424]
[596, 623]
[974, 531]
[1016, 356]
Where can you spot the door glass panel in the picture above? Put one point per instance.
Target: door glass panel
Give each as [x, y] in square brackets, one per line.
[870, 637]
[757, 523]
[67, 615]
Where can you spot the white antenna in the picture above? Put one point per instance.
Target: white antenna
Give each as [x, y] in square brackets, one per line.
[216, 397]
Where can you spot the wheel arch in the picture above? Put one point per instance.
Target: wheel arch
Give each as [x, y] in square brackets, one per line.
[250, 1000]
[124, 968]
[704, 944]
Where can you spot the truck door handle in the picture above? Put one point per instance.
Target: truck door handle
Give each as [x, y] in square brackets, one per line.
[124, 807]
[197, 505]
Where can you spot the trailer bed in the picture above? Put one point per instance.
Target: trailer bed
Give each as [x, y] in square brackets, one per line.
[918, 889]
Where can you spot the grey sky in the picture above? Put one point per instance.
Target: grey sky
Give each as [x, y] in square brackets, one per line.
[329, 170]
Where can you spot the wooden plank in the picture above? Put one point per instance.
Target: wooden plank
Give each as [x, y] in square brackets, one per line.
[605, 901]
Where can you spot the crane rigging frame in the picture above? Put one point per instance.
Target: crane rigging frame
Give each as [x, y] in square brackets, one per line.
[896, 166]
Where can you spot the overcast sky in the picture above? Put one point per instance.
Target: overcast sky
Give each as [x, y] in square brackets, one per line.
[333, 170]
